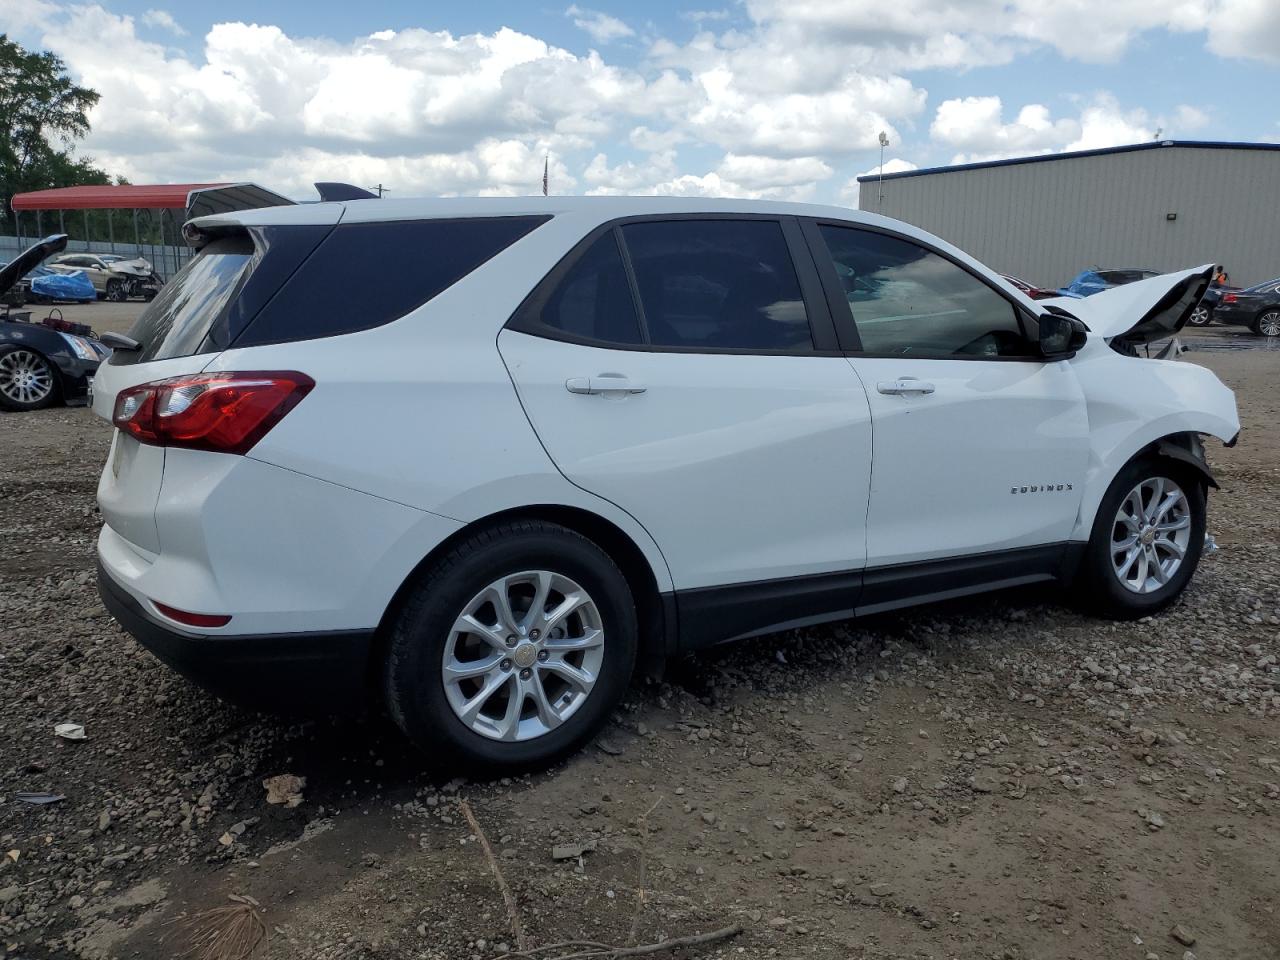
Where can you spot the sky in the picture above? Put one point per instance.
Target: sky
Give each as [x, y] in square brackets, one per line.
[752, 98]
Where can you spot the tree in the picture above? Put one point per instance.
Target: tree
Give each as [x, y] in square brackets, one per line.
[42, 114]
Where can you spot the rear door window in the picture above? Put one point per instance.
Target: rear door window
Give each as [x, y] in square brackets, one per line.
[593, 301]
[718, 285]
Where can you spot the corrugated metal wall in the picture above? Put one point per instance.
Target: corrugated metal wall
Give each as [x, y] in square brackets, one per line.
[1046, 221]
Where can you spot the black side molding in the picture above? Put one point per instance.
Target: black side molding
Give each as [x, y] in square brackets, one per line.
[718, 614]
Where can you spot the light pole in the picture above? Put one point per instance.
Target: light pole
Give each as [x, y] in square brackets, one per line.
[884, 142]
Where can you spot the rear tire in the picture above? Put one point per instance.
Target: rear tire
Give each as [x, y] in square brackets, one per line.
[1201, 316]
[1126, 580]
[494, 692]
[1267, 323]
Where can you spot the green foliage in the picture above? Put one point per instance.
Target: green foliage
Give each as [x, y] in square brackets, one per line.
[42, 114]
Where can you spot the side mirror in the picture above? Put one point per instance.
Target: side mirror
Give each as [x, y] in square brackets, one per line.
[1060, 336]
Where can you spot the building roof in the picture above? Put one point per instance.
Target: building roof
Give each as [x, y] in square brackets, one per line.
[1076, 154]
[151, 196]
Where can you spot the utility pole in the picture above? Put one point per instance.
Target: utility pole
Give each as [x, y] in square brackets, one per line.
[381, 189]
[884, 142]
[546, 165]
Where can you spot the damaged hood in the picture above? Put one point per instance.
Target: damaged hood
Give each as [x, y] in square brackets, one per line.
[29, 259]
[1140, 312]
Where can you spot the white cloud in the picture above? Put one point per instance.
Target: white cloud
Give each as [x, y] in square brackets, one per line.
[1246, 28]
[163, 20]
[977, 123]
[602, 27]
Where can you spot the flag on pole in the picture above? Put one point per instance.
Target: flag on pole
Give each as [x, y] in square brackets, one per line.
[545, 161]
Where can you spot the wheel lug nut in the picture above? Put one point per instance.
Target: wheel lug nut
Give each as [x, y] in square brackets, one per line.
[535, 634]
[542, 655]
[506, 664]
[526, 673]
[511, 641]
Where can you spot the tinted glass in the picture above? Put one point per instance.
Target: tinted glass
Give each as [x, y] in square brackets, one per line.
[718, 284]
[1266, 286]
[594, 298]
[175, 323]
[366, 274]
[908, 300]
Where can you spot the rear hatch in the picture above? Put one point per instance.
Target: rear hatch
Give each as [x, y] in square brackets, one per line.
[196, 316]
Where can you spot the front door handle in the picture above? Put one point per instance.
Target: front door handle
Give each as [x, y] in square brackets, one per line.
[604, 383]
[904, 386]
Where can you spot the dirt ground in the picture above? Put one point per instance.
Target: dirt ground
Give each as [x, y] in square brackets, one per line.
[995, 778]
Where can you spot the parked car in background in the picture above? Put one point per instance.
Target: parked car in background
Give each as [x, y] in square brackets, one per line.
[1202, 315]
[481, 490]
[1256, 307]
[1032, 291]
[112, 276]
[44, 361]
[1096, 279]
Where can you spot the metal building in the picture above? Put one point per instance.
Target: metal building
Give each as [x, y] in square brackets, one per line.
[1162, 205]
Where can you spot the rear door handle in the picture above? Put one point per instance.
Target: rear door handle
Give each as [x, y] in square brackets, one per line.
[604, 383]
[904, 386]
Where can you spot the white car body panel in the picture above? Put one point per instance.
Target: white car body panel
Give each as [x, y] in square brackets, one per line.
[743, 467]
[1132, 403]
[949, 468]
[730, 469]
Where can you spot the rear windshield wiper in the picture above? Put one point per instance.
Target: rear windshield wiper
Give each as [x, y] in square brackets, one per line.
[118, 341]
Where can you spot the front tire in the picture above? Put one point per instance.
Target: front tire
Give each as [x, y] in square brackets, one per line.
[28, 381]
[512, 649]
[1146, 541]
[1267, 323]
[116, 292]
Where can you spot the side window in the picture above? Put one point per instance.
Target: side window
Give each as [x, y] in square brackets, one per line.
[593, 300]
[718, 284]
[910, 301]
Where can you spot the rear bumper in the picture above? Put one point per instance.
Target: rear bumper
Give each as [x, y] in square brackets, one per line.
[311, 672]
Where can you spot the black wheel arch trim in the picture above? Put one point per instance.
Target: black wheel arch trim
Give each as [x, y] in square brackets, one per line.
[1192, 455]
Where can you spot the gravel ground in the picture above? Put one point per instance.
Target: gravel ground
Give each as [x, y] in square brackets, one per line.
[995, 778]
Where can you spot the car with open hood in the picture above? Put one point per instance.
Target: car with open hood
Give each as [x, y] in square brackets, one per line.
[48, 360]
[565, 438]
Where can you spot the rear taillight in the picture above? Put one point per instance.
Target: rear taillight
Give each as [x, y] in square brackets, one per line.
[222, 412]
[1229, 298]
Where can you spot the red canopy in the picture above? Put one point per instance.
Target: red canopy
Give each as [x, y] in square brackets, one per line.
[152, 196]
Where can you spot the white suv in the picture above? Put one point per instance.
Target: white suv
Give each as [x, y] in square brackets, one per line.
[479, 458]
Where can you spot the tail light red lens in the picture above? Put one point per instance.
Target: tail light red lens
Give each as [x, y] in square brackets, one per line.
[1229, 298]
[222, 412]
[192, 619]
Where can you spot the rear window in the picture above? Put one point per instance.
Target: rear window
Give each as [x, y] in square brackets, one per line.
[366, 274]
[178, 319]
[305, 282]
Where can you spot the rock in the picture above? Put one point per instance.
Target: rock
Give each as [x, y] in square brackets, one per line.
[1183, 935]
[76, 902]
[759, 760]
[880, 889]
[708, 818]
[104, 821]
[9, 893]
[571, 851]
[285, 789]
[900, 785]
[605, 745]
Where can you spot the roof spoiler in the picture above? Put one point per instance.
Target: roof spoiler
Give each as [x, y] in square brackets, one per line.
[331, 190]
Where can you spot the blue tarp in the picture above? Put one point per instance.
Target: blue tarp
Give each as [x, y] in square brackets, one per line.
[64, 286]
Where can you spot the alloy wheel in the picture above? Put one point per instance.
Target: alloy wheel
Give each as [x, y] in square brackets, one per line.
[1199, 316]
[25, 377]
[523, 655]
[1150, 535]
[1269, 324]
